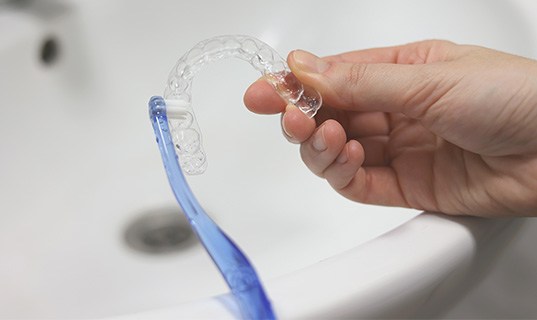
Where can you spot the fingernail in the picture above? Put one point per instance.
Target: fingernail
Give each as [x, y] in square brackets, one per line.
[309, 63]
[342, 158]
[285, 131]
[318, 142]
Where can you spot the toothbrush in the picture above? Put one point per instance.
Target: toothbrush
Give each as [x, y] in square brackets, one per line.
[232, 263]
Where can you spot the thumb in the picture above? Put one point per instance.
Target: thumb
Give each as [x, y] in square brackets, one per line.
[386, 87]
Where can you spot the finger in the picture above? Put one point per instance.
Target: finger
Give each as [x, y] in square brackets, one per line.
[323, 147]
[365, 124]
[261, 98]
[296, 126]
[341, 172]
[375, 185]
[356, 124]
[408, 89]
[376, 150]
[413, 53]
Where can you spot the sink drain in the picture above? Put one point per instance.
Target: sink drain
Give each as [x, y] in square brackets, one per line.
[160, 231]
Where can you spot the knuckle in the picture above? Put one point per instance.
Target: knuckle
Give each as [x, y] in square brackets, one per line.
[339, 183]
[355, 81]
[425, 51]
[356, 74]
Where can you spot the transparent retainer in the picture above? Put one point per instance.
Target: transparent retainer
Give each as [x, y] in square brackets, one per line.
[185, 130]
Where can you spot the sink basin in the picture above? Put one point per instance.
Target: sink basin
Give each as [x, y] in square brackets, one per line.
[80, 164]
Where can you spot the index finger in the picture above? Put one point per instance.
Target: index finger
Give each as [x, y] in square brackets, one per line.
[261, 98]
[413, 53]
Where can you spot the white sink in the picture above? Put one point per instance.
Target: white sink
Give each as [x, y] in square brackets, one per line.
[80, 164]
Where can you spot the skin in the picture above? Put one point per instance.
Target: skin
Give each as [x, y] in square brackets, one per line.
[430, 125]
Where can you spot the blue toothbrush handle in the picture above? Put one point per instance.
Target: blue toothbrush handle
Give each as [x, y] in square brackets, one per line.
[232, 263]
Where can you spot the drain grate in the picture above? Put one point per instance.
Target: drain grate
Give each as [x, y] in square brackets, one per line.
[160, 231]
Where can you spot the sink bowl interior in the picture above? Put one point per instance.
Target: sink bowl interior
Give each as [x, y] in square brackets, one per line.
[80, 163]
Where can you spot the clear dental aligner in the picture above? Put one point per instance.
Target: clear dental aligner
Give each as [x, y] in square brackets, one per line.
[182, 121]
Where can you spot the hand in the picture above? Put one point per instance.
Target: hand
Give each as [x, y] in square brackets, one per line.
[430, 125]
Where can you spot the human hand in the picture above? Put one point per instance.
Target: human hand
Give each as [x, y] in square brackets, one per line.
[430, 125]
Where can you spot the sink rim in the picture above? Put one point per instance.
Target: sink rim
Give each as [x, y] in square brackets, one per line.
[421, 274]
